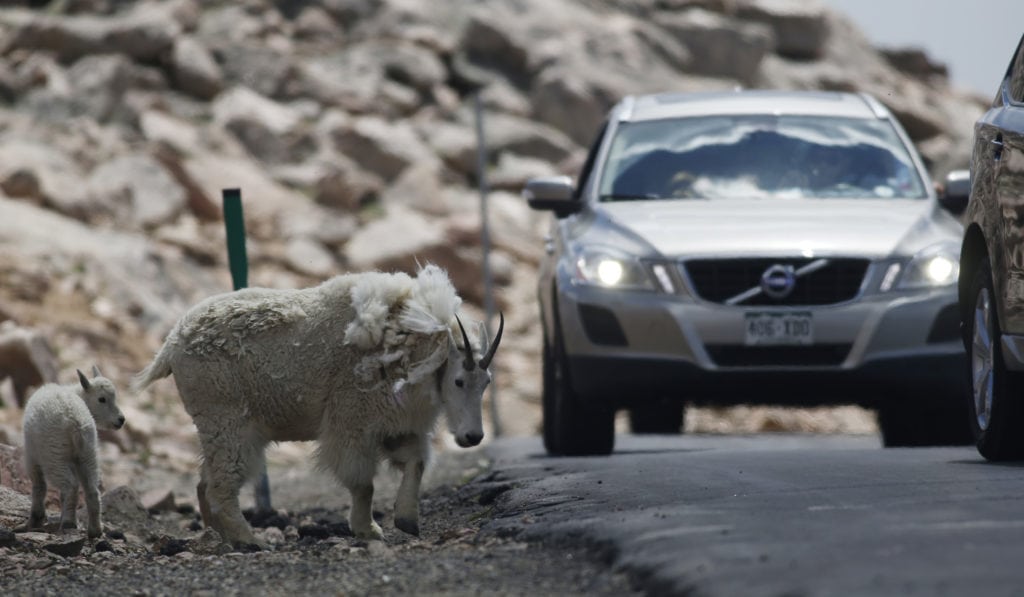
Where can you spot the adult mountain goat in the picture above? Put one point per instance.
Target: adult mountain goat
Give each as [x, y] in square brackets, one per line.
[364, 363]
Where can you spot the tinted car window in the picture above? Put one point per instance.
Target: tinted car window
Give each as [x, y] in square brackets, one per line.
[588, 165]
[721, 157]
[1017, 76]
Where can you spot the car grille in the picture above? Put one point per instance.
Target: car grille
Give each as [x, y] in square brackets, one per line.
[718, 280]
[817, 355]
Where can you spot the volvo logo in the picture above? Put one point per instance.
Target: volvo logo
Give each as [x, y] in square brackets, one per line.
[778, 281]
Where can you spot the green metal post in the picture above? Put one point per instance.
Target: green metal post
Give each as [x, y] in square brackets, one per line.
[234, 225]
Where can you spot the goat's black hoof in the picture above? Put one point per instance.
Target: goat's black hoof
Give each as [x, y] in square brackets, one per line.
[407, 525]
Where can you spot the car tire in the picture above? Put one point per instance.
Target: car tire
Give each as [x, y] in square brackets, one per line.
[663, 417]
[996, 403]
[548, 396]
[571, 426]
[925, 421]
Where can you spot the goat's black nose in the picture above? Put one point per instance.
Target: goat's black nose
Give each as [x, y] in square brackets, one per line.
[120, 421]
[474, 438]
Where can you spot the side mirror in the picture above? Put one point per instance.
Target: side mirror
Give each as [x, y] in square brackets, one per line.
[552, 193]
[957, 191]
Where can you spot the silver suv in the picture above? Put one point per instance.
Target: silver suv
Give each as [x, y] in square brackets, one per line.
[749, 247]
[992, 271]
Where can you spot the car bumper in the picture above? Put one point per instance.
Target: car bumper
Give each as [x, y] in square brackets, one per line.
[628, 346]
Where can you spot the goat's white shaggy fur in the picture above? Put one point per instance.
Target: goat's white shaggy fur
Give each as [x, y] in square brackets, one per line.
[363, 363]
[60, 445]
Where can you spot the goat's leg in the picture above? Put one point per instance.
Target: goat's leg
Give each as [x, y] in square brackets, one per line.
[410, 456]
[407, 502]
[229, 456]
[67, 482]
[355, 470]
[37, 517]
[89, 478]
[204, 504]
[360, 519]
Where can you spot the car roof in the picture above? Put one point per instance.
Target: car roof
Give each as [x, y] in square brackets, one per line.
[817, 103]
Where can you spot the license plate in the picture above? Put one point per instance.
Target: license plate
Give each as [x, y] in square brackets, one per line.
[765, 328]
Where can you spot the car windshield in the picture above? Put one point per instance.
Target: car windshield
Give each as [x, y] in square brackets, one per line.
[724, 157]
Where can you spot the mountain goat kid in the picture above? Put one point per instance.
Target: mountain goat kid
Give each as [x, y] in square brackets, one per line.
[364, 363]
[60, 445]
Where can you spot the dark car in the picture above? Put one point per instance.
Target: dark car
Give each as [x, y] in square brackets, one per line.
[749, 247]
[991, 284]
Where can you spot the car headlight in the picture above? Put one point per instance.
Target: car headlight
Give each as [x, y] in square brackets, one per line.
[935, 266]
[607, 267]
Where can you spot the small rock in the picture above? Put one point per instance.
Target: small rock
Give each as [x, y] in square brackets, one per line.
[315, 531]
[278, 519]
[169, 546]
[159, 500]
[102, 545]
[209, 543]
[66, 545]
[7, 538]
[378, 549]
[102, 555]
[122, 507]
[271, 535]
[115, 534]
[39, 564]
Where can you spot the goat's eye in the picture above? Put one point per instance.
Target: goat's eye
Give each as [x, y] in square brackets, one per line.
[103, 399]
[459, 383]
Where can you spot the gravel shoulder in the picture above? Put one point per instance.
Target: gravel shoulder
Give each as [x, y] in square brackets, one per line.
[314, 553]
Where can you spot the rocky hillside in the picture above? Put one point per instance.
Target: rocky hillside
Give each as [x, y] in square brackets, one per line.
[348, 125]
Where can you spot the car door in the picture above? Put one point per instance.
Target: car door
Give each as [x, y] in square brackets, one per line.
[1001, 135]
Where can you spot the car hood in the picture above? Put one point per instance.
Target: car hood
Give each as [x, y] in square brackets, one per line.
[868, 227]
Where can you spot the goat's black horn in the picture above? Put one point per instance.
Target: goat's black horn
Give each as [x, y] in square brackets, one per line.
[486, 361]
[468, 362]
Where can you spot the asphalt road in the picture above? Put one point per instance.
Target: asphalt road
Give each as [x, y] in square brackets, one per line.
[775, 515]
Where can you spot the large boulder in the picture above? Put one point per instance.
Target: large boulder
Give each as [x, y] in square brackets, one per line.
[565, 99]
[454, 143]
[526, 137]
[194, 70]
[382, 147]
[45, 173]
[800, 26]
[138, 188]
[143, 35]
[14, 508]
[95, 86]
[396, 241]
[340, 183]
[112, 261]
[266, 70]
[270, 130]
[720, 46]
[412, 65]
[489, 43]
[27, 358]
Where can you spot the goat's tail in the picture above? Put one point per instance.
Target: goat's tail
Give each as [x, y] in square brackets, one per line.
[158, 369]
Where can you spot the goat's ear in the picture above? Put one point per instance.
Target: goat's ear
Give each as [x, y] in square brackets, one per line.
[96, 371]
[82, 379]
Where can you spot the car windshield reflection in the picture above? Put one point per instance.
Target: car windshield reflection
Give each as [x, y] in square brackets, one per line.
[758, 157]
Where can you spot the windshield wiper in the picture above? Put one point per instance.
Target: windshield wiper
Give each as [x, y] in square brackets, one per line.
[627, 197]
